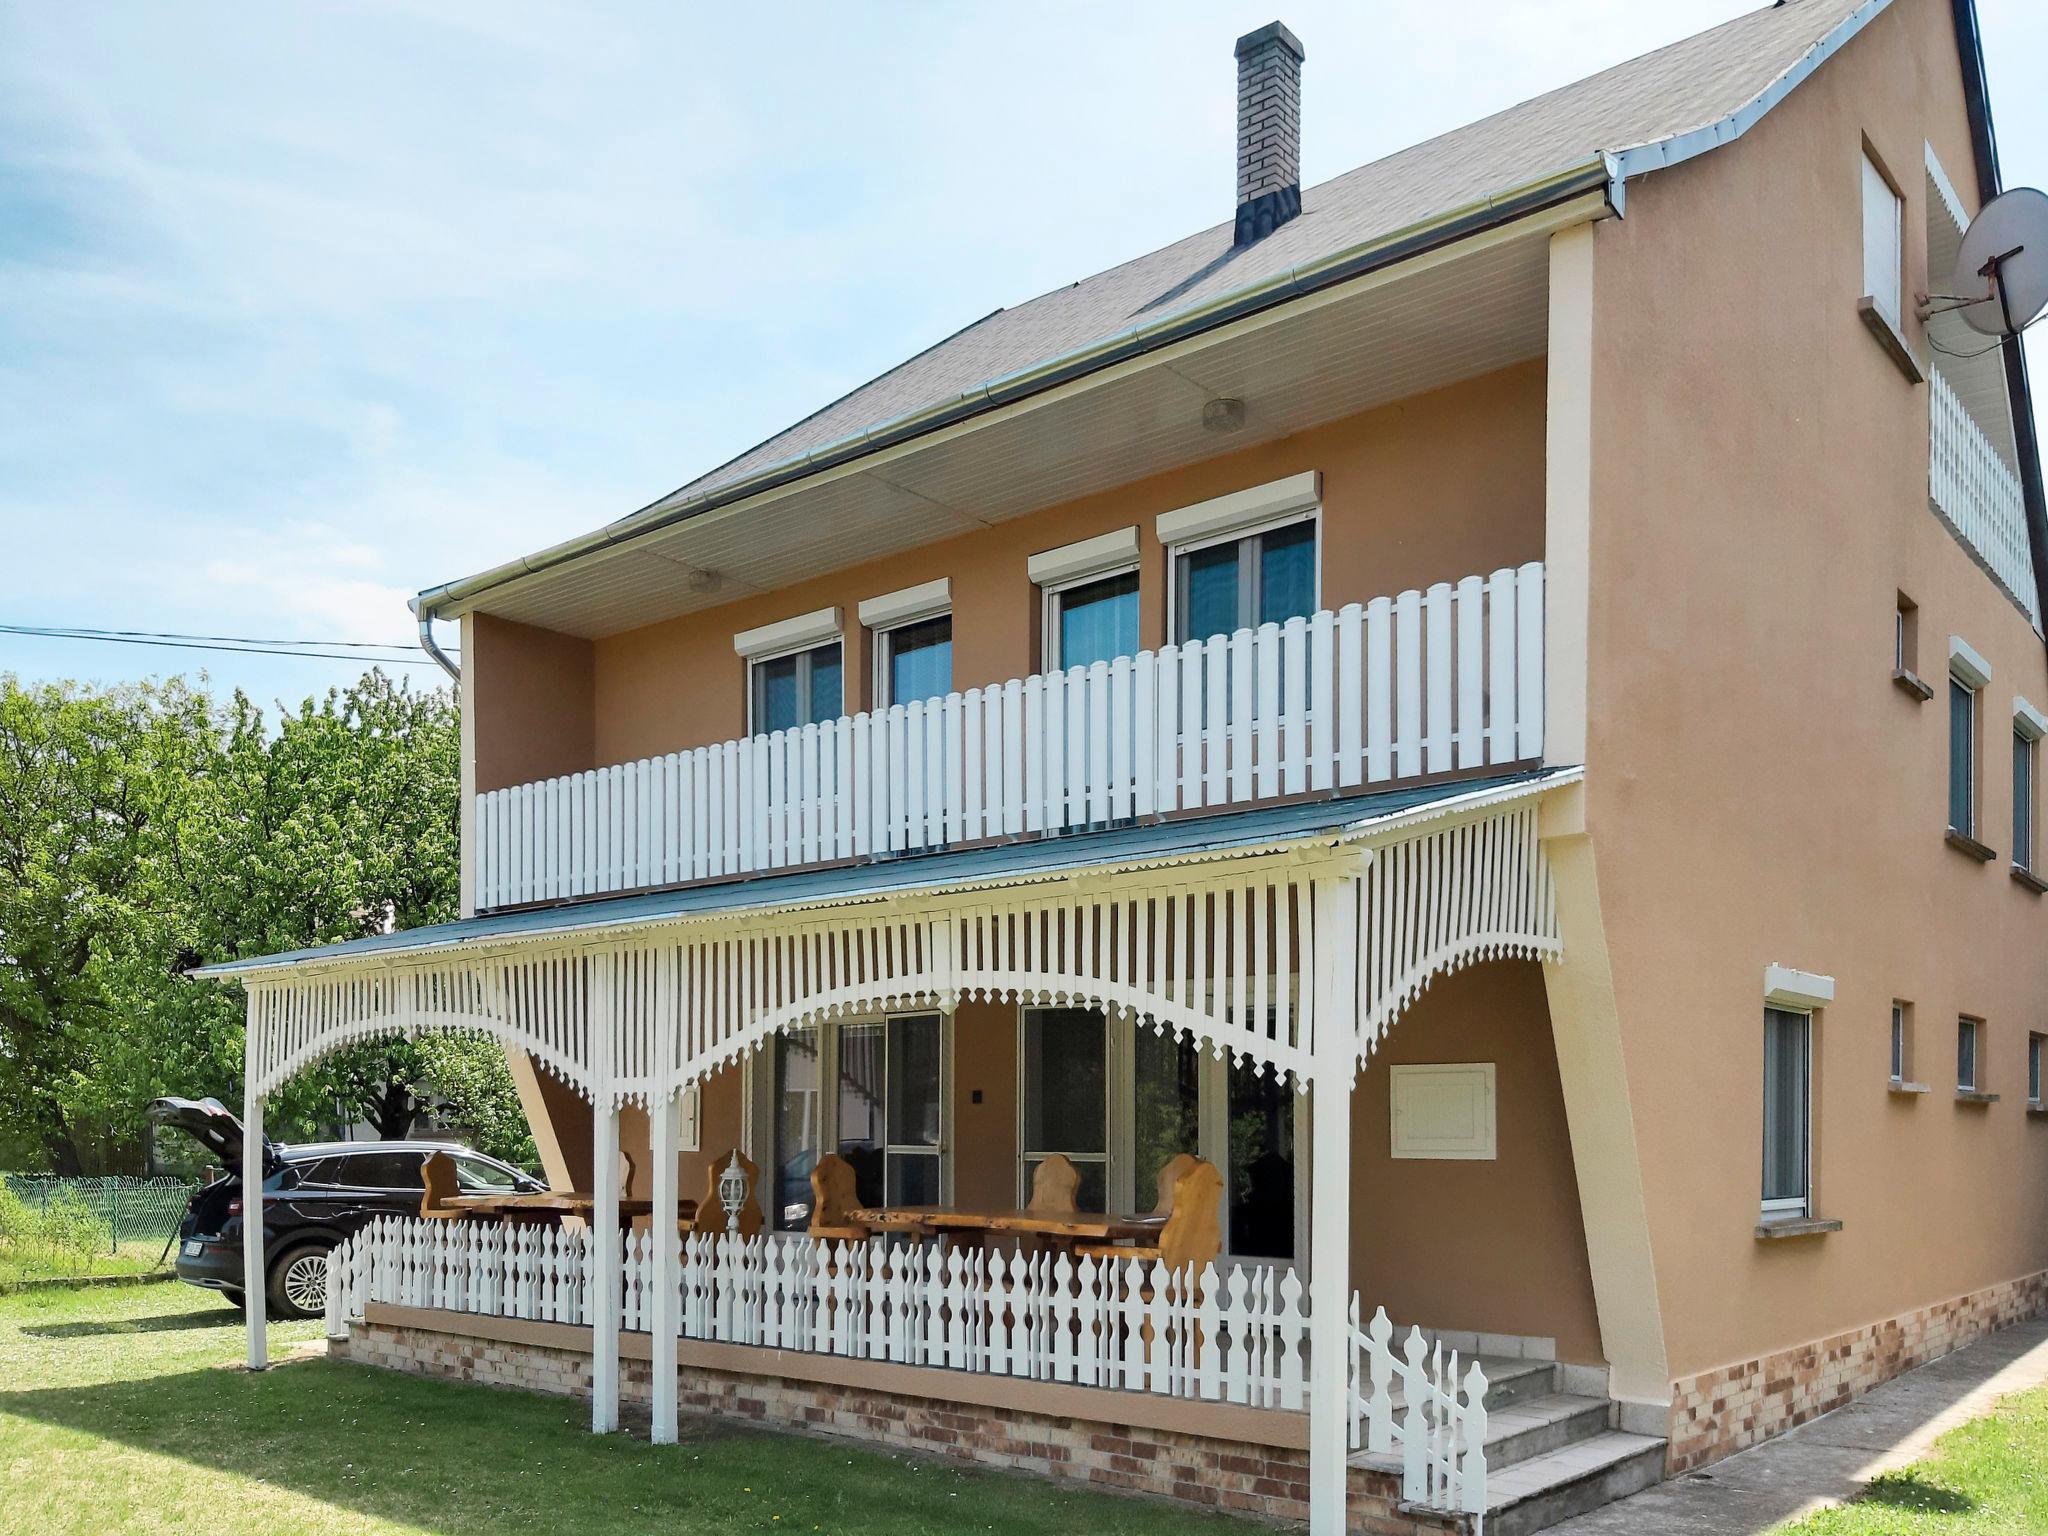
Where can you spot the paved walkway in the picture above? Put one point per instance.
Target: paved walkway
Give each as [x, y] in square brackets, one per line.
[1831, 1459]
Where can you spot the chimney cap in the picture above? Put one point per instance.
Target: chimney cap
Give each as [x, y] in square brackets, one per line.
[1272, 31]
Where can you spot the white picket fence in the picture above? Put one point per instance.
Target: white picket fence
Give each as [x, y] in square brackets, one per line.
[1237, 1335]
[1424, 683]
[1978, 496]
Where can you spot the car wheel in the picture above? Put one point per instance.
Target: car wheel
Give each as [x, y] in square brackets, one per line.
[236, 1300]
[298, 1282]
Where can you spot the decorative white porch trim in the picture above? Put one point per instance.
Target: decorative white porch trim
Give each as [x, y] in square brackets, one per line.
[1296, 955]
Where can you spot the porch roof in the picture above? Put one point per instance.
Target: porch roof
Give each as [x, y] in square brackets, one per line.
[1189, 837]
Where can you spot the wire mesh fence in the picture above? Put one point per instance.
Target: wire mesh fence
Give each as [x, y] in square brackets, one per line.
[113, 1215]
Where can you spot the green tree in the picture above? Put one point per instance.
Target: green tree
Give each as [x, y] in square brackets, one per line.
[140, 825]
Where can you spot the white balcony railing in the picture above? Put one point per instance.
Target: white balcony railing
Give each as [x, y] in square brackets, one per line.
[1238, 1335]
[1421, 684]
[1978, 495]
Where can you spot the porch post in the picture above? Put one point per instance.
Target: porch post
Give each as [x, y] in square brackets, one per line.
[663, 1323]
[604, 1269]
[603, 1292]
[255, 1286]
[1335, 949]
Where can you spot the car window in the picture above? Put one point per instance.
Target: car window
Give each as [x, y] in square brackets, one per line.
[475, 1175]
[326, 1171]
[382, 1170]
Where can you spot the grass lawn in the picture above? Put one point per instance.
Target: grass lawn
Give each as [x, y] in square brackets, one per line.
[1986, 1478]
[23, 1262]
[120, 1412]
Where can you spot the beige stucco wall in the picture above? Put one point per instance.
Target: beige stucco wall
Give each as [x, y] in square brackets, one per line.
[533, 699]
[1433, 488]
[1489, 1246]
[1757, 788]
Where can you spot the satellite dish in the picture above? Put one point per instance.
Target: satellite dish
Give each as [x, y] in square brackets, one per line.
[2004, 256]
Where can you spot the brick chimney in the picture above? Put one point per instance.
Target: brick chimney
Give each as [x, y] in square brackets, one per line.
[1268, 130]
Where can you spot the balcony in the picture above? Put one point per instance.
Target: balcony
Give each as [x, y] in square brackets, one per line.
[1975, 492]
[1421, 685]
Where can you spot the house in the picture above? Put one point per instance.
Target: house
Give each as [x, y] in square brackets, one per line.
[1495, 699]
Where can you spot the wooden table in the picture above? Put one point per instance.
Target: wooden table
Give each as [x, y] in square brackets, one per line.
[1059, 1228]
[554, 1206]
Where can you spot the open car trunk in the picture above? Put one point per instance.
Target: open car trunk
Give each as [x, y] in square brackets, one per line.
[214, 1126]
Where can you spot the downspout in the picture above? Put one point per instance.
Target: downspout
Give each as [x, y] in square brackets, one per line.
[429, 644]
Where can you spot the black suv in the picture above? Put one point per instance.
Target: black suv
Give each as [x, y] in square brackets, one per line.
[314, 1195]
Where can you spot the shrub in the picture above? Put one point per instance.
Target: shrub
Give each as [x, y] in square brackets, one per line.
[75, 1229]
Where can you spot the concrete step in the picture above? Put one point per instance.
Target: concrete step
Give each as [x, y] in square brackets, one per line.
[1557, 1484]
[1526, 1427]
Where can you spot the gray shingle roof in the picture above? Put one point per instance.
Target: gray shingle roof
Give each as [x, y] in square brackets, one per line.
[1661, 95]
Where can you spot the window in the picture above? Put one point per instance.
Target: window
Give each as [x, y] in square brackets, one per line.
[915, 661]
[1962, 769]
[475, 1176]
[1902, 1029]
[799, 689]
[383, 1170]
[794, 671]
[1788, 1070]
[913, 632]
[1245, 1122]
[2035, 1044]
[883, 1113]
[1063, 1098]
[1906, 637]
[1968, 673]
[1091, 621]
[2022, 799]
[799, 1119]
[1882, 223]
[2028, 726]
[1243, 582]
[1969, 1036]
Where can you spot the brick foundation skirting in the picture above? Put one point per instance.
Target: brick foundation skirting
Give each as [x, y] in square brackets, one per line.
[1729, 1409]
[1264, 1481]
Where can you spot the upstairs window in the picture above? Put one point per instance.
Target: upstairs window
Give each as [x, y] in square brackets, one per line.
[1091, 599]
[1902, 1031]
[2028, 726]
[2035, 1044]
[795, 671]
[1243, 582]
[802, 688]
[1968, 675]
[2022, 800]
[1243, 560]
[1969, 1037]
[1962, 764]
[913, 632]
[1883, 220]
[1092, 621]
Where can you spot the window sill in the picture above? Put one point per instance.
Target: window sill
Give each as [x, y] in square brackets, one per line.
[2036, 1107]
[1975, 1097]
[1905, 1090]
[1771, 1230]
[1889, 337]
[1911, 684]
[2024, 876]
[1962, 842]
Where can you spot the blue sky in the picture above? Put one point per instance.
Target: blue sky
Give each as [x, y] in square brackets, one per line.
[305, 307]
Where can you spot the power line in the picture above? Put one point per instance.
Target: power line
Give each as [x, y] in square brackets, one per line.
[356, 650]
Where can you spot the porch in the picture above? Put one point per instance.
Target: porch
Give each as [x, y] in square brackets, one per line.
[1281, 944]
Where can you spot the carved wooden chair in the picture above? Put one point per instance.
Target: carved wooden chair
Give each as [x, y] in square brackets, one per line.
[437, 1174]
[1169, 1176]
[710, 1214]
[1193, 1233]
[834, 1196]
[1054, 1184]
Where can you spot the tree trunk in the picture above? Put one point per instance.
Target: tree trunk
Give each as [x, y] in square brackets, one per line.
[393, 1112]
